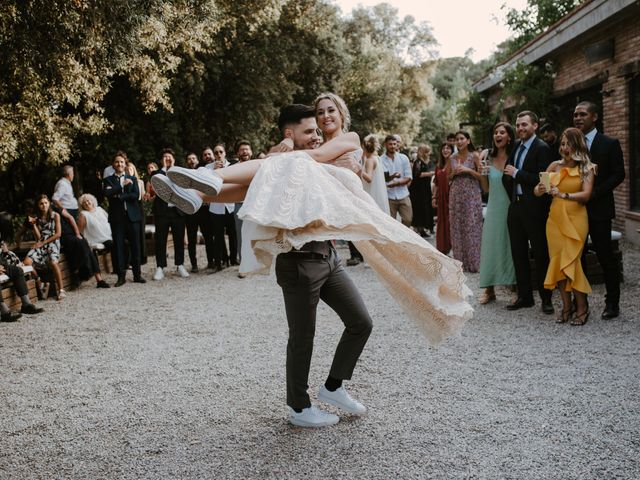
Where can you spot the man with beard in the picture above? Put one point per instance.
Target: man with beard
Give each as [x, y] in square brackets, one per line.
[243, 153]
[306, 276]
[606, 153]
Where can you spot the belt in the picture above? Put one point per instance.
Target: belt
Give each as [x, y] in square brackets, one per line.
[306, 254]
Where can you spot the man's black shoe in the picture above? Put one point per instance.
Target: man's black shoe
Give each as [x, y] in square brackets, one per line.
[102, 284]
[520, 303]
[139, 280]
[31, 309]
[10, 317]
[547, 307]
[121, 281]
[610, 312]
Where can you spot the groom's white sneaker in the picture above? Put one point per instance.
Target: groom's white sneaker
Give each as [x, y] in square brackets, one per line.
[202, 179]
[312, 417]
[186, 200]
[340, 398]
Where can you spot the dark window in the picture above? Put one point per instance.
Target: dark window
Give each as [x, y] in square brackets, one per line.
[634, 136]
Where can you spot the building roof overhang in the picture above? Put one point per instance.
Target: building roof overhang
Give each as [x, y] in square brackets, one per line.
[581, 20]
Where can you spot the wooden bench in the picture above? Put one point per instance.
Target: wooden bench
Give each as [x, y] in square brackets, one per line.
[104, 258]
[9, 296]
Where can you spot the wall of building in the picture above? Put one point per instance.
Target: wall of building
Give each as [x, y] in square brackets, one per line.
[573, 69]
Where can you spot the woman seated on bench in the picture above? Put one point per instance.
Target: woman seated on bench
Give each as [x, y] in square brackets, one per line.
[47, 231]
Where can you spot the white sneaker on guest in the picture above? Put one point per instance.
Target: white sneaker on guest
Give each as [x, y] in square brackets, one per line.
[182, 271]
[186, 200]
[340, 398]
[312, 417]
[159, 275]
[202, 179]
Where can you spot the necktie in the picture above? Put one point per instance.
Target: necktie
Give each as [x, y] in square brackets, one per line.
[519, 158]
[586, 142]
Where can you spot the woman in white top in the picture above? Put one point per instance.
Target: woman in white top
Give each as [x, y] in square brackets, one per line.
[93, 222]
[372, 174]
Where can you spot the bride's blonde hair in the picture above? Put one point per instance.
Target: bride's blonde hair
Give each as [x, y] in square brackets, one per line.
[340, 105]
[580, 151]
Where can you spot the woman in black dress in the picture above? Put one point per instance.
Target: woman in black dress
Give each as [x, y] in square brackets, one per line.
[420, 192]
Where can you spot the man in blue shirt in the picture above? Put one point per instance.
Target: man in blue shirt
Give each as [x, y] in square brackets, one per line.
[397, 171]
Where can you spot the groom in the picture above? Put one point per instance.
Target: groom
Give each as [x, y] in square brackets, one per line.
[306, 276]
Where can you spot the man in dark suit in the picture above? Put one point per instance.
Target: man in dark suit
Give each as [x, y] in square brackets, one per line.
[606, 153]
[167, 216]
[125, 216]
[527, 217]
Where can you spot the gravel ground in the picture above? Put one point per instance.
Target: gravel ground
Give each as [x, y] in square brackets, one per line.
[185, 379]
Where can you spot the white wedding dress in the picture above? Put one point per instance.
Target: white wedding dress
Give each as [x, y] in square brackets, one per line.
[293, 200]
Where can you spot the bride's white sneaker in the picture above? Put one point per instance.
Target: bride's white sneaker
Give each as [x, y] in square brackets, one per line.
[340, 398]
[312, 417]
[202, 179]
[186, 200]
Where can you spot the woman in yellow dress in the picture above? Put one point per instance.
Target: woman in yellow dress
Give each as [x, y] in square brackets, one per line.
[571, 183]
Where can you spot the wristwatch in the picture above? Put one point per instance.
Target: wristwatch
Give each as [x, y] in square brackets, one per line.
[565, 195]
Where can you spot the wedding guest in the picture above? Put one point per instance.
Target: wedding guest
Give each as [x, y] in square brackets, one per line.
[63, 196]
[496, 264]
[223, 220]
[168, 217]
[528, 214]
[606, 153]
[440, 199]
[10, 266]
[195, 221]
[373, 174]
[93, 223]
[46, 251]
[465, 203]
[398, 173]
[420, 192]
[571, 182]
[149, 194]
[124, 217]
[132, 171]
[80, 258]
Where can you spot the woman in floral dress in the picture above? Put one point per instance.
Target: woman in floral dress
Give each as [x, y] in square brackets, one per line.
[465, 204]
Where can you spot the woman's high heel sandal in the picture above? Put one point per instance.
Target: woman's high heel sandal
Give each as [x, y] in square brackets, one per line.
[565, 316]
[487, 298]
[581, 319]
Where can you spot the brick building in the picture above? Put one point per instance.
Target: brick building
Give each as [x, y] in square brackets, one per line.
[595, 51]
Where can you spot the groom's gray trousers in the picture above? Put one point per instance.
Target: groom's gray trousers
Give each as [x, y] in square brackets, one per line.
[306, 277]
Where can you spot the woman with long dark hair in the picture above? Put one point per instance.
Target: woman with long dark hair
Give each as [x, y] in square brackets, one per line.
[465, 203]
[496, 264]
[440, 199]
[420, 192]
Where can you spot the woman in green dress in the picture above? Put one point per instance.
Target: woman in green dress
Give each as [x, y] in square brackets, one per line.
[496, 264]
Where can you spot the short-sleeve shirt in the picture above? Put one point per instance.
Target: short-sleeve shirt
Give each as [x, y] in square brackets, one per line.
[63, 193]
[399, 164]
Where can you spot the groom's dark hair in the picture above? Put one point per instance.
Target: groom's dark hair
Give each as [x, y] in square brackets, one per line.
[294, 114]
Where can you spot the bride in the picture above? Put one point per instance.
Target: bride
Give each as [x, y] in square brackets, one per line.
[296, 197]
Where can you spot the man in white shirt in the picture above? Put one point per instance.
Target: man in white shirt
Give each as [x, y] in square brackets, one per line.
[63, 196]
[398, 174]
[223, 220]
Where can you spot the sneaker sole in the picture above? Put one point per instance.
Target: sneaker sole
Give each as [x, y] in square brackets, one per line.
[299, 423]
[166, 193]
[186, 179]
[339, 405]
